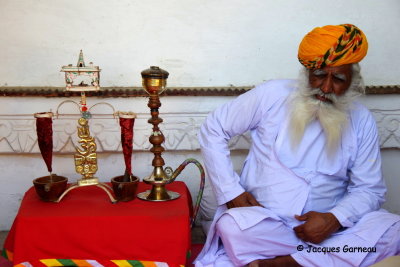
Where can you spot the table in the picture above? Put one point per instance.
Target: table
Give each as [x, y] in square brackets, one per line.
[85, 229]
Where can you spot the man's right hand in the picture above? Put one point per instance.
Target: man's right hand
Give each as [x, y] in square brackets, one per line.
[243, 200]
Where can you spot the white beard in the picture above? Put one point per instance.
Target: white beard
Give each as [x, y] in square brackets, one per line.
[305, 108]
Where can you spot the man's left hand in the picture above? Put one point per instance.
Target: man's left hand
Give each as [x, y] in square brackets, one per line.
[318, 226]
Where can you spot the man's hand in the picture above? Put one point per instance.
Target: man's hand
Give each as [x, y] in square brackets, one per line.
[243, 200]
[317, 227]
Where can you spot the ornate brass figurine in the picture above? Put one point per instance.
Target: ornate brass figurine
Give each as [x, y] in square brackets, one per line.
[85, 156]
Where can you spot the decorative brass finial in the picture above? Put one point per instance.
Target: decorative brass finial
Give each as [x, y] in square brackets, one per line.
[81, 62]
[154, 80]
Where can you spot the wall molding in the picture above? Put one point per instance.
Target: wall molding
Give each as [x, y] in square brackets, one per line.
[388, 122]
[18, 132]
[172, 91]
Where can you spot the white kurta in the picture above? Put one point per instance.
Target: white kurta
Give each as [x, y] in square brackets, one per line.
[286, 182]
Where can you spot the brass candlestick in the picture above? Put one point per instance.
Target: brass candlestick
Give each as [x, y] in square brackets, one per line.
[154, 81]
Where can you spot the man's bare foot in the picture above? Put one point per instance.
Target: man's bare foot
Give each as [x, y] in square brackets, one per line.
[280, 261]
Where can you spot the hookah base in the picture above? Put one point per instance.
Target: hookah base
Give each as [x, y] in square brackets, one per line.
[146, 195]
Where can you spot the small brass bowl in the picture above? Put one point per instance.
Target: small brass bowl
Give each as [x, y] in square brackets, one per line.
[124, 191]
[50, 189]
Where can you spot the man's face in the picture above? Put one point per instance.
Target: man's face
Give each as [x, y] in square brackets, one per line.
[330, 80]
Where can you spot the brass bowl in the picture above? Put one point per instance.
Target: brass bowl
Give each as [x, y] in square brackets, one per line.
[50, 189]
[124, 191]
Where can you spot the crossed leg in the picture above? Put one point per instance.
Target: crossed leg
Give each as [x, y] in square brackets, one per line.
[266, 240]
[271, 242]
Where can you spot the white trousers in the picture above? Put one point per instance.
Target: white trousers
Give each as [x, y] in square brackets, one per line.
[270, 238]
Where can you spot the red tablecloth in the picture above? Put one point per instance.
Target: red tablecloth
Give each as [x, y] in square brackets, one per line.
[86, 226]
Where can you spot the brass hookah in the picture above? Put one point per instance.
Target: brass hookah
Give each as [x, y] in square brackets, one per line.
[154, 81]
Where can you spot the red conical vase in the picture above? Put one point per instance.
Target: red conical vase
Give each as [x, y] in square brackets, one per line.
[126, 121]
[44, 130]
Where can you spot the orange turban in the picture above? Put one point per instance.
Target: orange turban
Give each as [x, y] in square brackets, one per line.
[332, 46]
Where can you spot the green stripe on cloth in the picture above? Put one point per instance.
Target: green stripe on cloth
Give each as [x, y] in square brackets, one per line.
[66, 262]
[135, 263]
[5, 254]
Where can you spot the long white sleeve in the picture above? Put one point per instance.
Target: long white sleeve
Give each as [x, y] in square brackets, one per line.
[366, 190]
[233, 118]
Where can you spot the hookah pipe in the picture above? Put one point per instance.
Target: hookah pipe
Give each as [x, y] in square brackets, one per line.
[178, 171]
[154, 81]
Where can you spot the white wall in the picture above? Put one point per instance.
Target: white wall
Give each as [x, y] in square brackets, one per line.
[200, 42]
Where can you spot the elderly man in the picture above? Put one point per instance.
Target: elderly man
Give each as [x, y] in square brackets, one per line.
[311, 187]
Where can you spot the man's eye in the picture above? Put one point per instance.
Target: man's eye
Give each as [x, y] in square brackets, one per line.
[339, 77]
[319, 75]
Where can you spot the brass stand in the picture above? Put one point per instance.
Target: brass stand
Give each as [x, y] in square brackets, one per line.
[154, 82]
[86, 157]
[103, 186]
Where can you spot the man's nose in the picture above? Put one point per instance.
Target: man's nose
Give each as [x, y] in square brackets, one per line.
[327, 86]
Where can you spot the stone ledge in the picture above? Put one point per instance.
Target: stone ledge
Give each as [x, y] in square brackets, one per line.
[122, 91]
[172, 91]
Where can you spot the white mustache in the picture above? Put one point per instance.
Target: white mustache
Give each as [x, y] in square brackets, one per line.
[330, 96]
